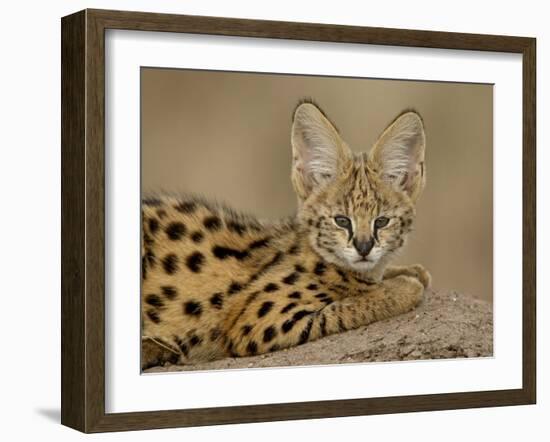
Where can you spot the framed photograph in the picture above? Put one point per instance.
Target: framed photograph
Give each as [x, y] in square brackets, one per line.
[269, 220]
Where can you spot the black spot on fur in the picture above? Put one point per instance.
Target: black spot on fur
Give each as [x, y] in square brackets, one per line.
[252, 348]
[195, 340]
[147, 239]
[175, 231]
[259, 244]
[299, 268]
[195, 262]
[169, 291]
[246, 329]
[294, 249]
[235, 287]
[274, 348]
[153, 316]
[236, 227]
[320, 268]
[304, 336]
[287, 325]
[186, 207]
[230, 348]
[184, 349]
[271, 287]
[269, 333]
[212, 223]
[249, 300]
[170, 263]
[273, 262]
[153, 225]
[321, 295]
[154, 202]
[221, 252]
[323, 325]
[161, 213]
[265, 308]
[343, 289]
[192, 308]
[301, 314]
[150, 256]
[182, 346]
[154, 300]
[312, 287]
[216, 300]
[295, 295]
[288, 307]
[197, 237]
[215, 333]
[292, 278]
[277, 258]
[342, 275]
[253, 278]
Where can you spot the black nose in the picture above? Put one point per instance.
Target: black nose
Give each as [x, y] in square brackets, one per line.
[363, 247]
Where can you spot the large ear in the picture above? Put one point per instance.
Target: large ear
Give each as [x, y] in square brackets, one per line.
[398, 155]
[318, 152]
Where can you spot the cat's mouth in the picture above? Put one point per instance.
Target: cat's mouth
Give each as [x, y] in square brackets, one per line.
[363, 264]
[357, 262]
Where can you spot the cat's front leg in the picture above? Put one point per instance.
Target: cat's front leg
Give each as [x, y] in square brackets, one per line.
[417, 271]
[391, 297]
[297, 324]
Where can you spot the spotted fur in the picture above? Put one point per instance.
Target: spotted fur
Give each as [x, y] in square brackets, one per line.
[216, 283]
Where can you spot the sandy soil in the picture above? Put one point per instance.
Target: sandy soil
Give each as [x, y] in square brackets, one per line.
[445, 325]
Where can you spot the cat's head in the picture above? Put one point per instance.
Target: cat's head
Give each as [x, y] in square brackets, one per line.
[357, 209]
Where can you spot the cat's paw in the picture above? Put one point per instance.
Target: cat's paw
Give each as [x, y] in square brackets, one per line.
[407, 291]
[417, 271]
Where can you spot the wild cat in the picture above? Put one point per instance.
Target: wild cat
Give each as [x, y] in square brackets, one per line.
[216, 283]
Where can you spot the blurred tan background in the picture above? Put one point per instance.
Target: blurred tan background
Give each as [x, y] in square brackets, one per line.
[227, 136]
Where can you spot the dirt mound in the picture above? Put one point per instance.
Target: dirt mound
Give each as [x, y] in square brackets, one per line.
[445, 325]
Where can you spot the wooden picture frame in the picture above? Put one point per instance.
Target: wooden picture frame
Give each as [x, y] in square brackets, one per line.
[83, 220]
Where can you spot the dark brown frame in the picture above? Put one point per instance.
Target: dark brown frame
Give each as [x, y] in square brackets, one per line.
[83, 232]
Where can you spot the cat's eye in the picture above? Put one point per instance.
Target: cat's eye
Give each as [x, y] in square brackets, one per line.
[342, 221]
[381, 221]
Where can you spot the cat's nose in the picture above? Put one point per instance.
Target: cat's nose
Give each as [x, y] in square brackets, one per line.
[363, 247]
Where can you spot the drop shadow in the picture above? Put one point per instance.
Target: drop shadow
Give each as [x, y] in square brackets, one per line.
[52, 414]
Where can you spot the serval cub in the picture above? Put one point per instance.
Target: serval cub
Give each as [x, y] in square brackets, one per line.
[216, 283]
